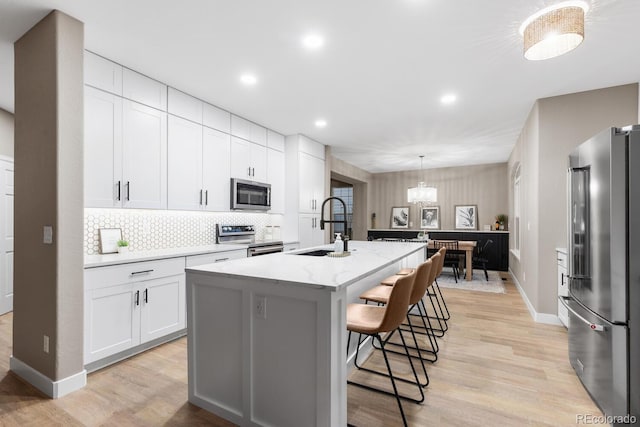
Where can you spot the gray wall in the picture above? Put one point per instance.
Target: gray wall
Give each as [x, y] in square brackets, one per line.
[48, 185]
[6, 133]
[481, 185]
[555, 126]
[346, 172]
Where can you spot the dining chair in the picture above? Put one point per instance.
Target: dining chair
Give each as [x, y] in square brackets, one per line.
[480, 259]
[453, 256]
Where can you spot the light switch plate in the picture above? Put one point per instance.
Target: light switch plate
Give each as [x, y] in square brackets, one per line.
[47, 237]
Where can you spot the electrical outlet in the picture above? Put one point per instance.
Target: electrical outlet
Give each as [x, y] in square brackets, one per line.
[261, 307]
[45, 344]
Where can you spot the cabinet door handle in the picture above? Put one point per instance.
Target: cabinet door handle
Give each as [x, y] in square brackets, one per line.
[135, 273]
[221, 259]
[146, 296]
[206, 197]
[249, 171]
[128, 191]
[137, 298]
[200, 197]
[118, 197]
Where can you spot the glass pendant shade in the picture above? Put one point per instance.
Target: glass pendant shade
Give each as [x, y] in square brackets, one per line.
[554, 31]
[422, 194]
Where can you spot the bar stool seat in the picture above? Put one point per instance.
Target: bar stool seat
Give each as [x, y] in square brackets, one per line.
[405, 271]
[378, 294]
[389, 281]
[365, 319]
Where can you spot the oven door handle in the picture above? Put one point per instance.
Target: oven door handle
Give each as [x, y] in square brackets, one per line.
[266, 250]
[593, 326]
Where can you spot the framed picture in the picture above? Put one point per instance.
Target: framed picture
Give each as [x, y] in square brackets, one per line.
[430, 218]
[109, 240]
[466, 217]
[400, 217]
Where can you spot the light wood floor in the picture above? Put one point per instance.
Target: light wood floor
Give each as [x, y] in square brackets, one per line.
[497, 368]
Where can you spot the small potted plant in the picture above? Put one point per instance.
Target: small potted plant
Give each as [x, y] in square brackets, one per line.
[123, 246]
[501, 220]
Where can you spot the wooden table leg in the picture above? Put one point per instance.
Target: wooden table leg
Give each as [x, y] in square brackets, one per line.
[469, 270]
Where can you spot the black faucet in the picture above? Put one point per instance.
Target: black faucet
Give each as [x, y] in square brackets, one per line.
[344, 222]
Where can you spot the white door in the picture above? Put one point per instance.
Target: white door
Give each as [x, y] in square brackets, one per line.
[111, 320]
[102, 149]
[185, 189]
[163, 307]
[144, 160]
[6, 236]
[275, 177]
[216, 171]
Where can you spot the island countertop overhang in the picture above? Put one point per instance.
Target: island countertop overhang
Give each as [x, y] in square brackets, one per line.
[320, 272]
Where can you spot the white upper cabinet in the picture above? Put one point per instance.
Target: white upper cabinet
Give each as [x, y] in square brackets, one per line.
[309, 146]
[216, 118]
[102, 73]
[243, 128]
[248, 160]
[182, 105]
[276, 177]
[144, 165]
[185, 164]
[144, 90]
[275, 141]
[102, 149]
[311, 182]
[216, 172]
[198, 167]
[240, 127]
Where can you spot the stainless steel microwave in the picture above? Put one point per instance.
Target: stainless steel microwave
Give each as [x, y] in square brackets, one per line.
[250, 195]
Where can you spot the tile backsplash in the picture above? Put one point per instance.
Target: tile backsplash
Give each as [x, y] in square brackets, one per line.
[160, 229]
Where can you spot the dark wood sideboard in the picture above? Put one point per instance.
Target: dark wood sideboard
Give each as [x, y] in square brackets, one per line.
[497, 253]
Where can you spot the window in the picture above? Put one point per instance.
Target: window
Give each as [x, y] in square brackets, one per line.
[345, 192]
[517, 201]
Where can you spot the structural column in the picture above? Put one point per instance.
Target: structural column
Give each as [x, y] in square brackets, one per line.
[48, 266]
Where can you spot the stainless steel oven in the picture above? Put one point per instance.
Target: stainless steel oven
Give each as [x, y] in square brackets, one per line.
[250, 195]
[264, 248]
[246, 234]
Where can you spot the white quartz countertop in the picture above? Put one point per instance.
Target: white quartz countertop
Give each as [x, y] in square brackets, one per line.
[91, 261]
[323, 272]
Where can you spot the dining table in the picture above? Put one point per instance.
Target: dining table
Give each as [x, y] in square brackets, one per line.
[466, 246]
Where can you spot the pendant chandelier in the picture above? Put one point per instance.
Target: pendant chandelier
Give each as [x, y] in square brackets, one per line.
[554, 30]
[422, 193]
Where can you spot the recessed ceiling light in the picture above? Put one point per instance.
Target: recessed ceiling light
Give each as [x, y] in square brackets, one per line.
[449, 98]
[248, 79]
[320, 123]
[313, 41]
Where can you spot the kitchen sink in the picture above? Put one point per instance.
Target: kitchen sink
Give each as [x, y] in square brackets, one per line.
[316, 252]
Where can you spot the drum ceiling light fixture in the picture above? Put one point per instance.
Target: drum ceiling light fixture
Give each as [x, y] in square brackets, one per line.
[554, 31]
[422, 193]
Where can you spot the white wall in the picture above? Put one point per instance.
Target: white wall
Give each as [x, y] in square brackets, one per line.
[6, 133]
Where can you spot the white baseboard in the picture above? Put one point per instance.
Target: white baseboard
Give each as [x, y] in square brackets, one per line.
[53, 389]
[550, 319]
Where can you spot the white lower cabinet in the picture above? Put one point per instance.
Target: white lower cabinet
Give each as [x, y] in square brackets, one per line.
[563, 286]
[130, 304]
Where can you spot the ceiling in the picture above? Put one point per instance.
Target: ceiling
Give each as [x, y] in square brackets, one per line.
[377, 80]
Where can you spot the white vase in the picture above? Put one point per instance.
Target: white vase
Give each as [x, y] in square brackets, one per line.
[123, 249]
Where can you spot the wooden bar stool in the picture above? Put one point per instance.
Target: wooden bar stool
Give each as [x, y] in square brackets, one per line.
[373, 321]
[424, 277]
